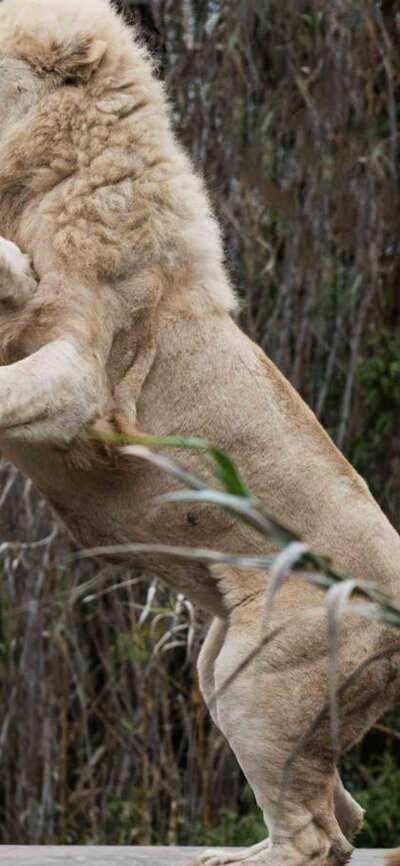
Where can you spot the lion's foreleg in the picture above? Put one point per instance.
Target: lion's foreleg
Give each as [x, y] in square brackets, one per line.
[53, 394]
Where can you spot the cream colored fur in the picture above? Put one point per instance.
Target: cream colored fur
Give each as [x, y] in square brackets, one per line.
[122, 315]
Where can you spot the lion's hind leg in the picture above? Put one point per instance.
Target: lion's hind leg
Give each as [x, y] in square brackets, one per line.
[257, 716]
[348, 813]
[262, 709]
[209, 653]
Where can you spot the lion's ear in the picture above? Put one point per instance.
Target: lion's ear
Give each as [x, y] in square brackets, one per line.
[73, 61]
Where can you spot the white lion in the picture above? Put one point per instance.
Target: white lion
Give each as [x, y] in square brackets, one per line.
[121, 316]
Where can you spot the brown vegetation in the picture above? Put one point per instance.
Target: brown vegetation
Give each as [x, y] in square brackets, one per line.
[293, 116]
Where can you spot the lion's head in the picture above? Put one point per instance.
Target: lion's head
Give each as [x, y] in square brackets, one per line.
[44, 46]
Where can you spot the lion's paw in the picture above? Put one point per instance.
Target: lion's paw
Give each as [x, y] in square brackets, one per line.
[254, 856]
[255, 860]
[217, 857]
[13, 261]
[17, 281]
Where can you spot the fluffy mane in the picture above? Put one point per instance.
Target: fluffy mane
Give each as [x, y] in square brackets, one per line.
[101, 154]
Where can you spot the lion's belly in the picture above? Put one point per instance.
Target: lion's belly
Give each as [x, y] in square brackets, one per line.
[110, 508]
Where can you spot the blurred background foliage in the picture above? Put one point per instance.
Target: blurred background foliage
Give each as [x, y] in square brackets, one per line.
[290, 110]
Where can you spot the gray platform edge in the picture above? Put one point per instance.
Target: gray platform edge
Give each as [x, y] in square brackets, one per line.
[32, 855]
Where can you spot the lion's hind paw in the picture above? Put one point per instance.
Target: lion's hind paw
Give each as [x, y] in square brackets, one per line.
[248, 856]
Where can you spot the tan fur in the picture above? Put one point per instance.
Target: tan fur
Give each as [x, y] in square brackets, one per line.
[393, 859]
[127, 322]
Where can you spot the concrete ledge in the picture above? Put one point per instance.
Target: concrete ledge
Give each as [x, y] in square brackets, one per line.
[31, 855]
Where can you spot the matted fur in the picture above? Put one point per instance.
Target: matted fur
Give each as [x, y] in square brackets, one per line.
[124, 320]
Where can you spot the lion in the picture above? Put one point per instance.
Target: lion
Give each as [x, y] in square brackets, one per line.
[116, 311]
